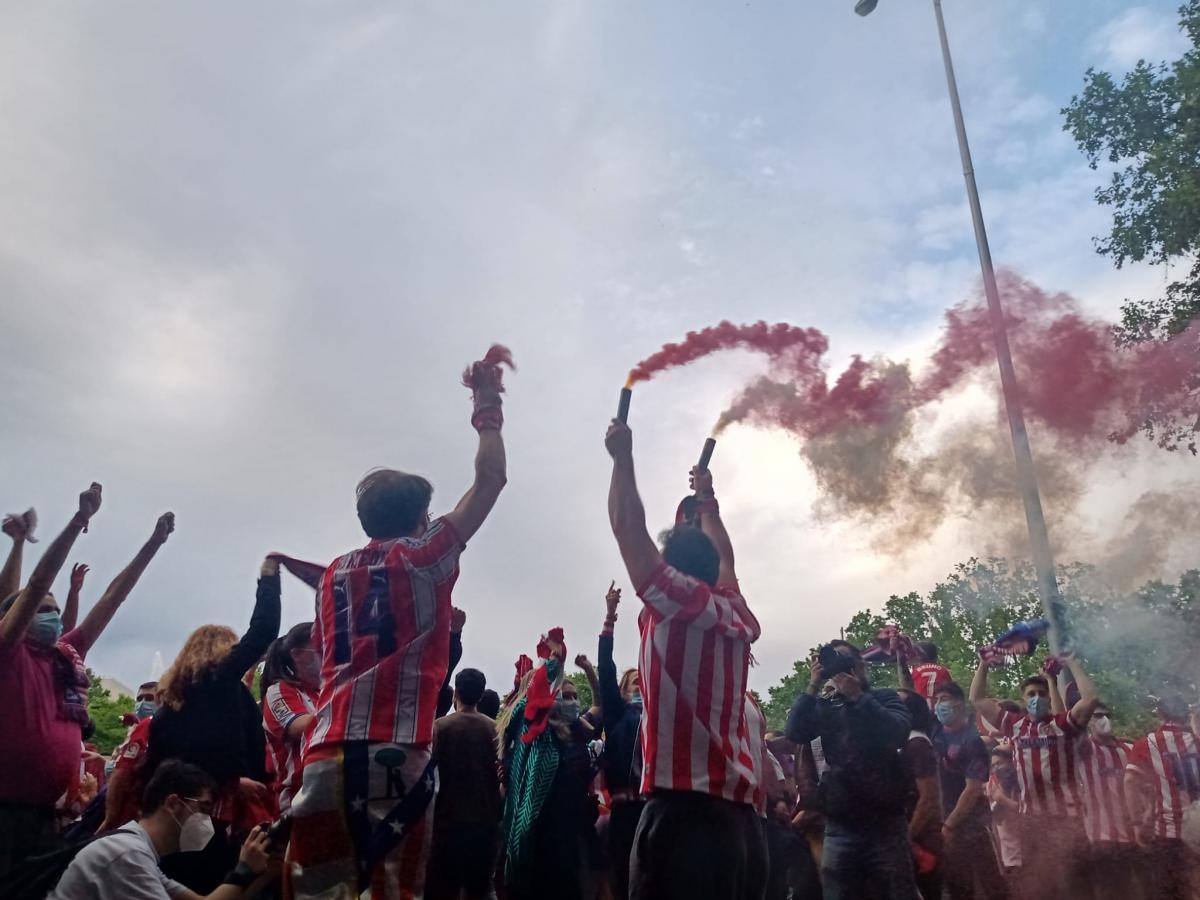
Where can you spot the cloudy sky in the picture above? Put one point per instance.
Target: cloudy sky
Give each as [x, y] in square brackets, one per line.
[246, 252]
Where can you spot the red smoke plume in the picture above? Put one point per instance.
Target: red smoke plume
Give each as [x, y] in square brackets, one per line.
[799, 349]
[1082, 394]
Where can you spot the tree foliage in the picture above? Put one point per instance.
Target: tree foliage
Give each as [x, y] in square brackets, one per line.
[106, 712]
[1147, 127]
[1132, 645]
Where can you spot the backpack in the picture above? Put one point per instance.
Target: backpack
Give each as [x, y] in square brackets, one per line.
[35, 877]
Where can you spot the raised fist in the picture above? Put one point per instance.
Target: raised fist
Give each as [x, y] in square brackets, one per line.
[458, 619]
[619, 441]
[163, 527]
[89, 501]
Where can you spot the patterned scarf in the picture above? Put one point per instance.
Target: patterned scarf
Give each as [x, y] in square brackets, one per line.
[531, 773]
[70, 675]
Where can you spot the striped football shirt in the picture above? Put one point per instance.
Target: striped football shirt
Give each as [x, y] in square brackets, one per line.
[695, 655]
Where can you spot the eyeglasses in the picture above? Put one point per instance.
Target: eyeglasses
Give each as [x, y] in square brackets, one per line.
[202, 806]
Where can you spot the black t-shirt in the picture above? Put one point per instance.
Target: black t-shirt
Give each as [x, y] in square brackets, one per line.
[962, 755]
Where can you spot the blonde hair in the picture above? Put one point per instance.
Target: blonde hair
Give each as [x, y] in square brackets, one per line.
[204, 650]
[506, 714]
[626, 679]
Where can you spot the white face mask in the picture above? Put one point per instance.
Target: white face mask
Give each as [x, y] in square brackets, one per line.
[195, 832]
[1102, 726]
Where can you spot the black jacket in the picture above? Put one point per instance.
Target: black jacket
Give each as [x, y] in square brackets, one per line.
[622, 719]
[219, 728]
[866, 778]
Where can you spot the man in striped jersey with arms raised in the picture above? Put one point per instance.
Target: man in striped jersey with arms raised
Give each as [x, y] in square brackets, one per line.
[699, 835]
[1161, 781]
[362, 818]
[1054, 846]
[1100, 769]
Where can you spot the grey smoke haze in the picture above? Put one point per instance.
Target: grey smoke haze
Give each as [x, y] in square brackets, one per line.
[245, 252]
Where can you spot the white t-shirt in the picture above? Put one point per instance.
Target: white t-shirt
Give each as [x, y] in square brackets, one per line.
[117, 867]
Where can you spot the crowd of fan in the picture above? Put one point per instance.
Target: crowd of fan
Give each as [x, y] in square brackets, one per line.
[351, 776]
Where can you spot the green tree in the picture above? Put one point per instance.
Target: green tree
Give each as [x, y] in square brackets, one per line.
[585, 690]
[106, 712]
[1133, 646]
[1147, 127]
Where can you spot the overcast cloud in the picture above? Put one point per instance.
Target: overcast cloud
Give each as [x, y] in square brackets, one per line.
[246, 251]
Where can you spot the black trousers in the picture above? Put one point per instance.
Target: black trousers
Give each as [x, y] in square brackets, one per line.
[463, 859]
[1118, 870]
[970, 857]
[691, 845]
[622, 826]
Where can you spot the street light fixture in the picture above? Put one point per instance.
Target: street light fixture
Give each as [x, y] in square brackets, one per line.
[1035, 519]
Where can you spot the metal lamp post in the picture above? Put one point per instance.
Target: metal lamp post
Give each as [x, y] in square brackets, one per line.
[1039, 537]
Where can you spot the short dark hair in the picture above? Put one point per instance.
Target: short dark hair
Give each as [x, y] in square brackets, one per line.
[928, 650]
[918, 710]
[175, 777]
[691, 551]
[951, 688]
[1039, 680]
[391, 503]
[489, 704]
[469, 685]
[147, 684]
[8, 602]
[854, 651]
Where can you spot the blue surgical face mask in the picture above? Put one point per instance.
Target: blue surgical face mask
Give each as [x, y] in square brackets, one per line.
[46, 628]
[945, 712]
[144, 709]
[1037, 706]
[636, 697]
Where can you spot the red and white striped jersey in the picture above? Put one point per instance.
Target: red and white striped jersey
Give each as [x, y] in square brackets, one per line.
[1044, 753]
[694, 660]
[756, 748]
[1167, 758]
[383, 626]
[282, 705]
[928, 678]
[1100, 769]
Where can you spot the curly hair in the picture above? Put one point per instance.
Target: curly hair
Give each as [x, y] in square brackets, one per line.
[204, 650]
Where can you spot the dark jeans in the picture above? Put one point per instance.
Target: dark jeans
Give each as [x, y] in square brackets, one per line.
[463, 859]
[1054, 858]
[970, 858]
[1171, 867]
[872, 860]
[622, 826]
[691, 845]
[25, 830]
[1118, 871]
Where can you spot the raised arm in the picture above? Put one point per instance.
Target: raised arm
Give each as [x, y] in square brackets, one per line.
[264, 624]
[70, 613]
[984, 705]
[903, 673]
[10, 576]
[1052, 673]
[458, 620]
[612, 704]
[491, 467]
[17, 620]
[709, 512]
[1089, 698]
[106, 607]
[589, 672]
[626, 514]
